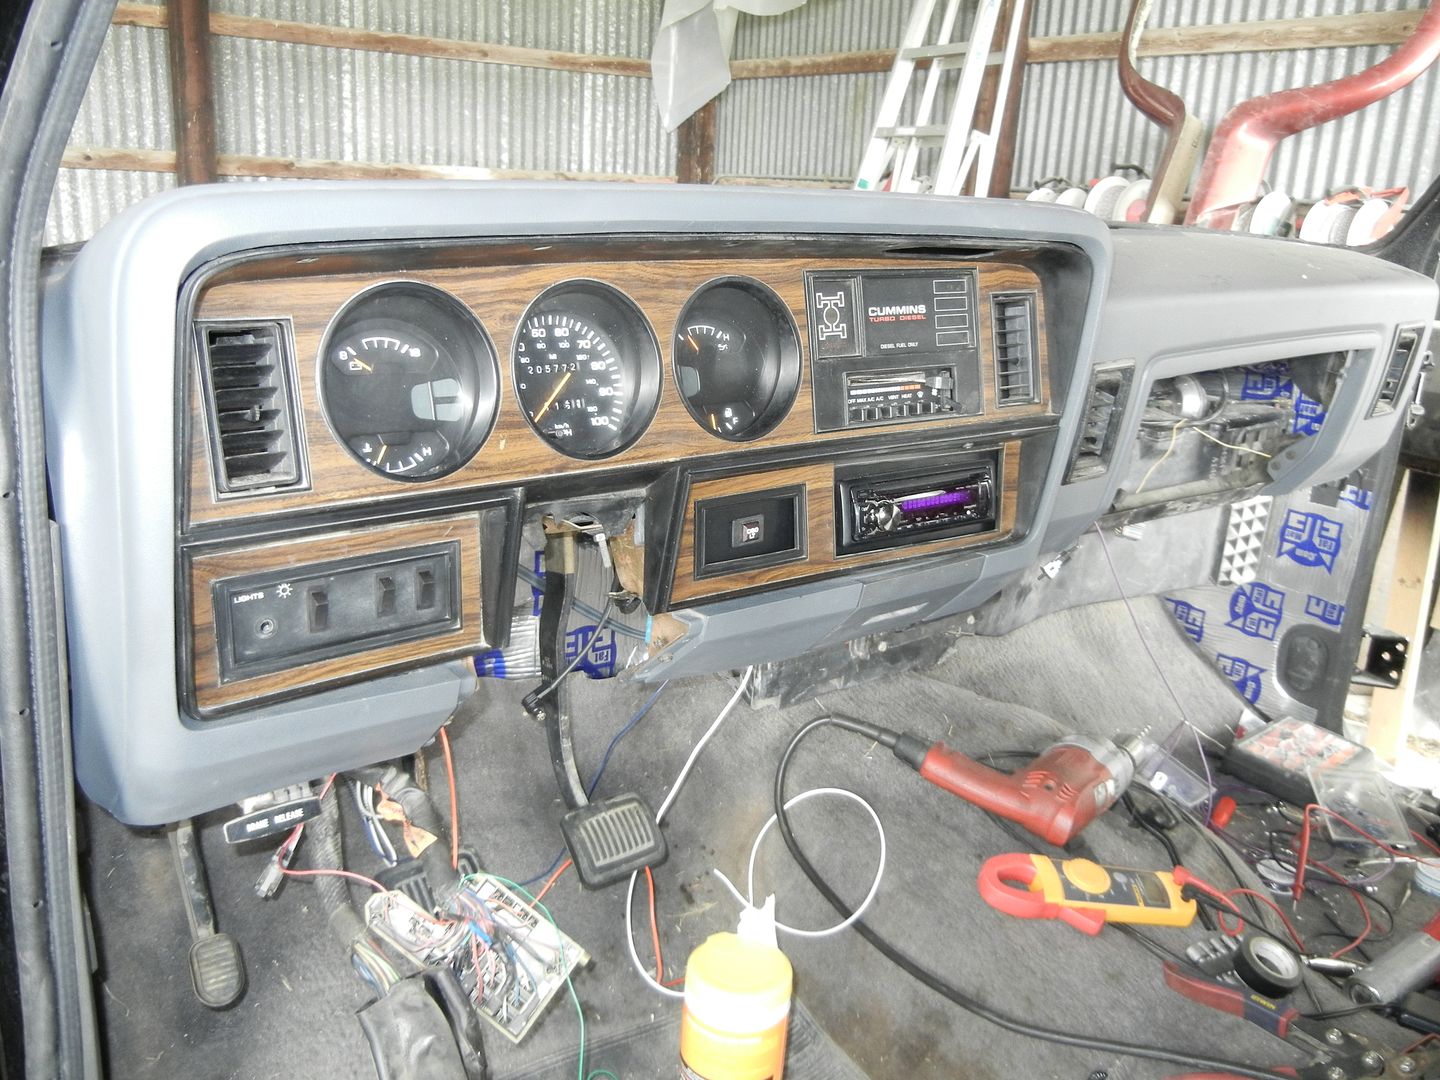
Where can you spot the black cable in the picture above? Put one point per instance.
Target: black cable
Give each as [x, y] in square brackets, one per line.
[953, 993]
[1335, 1014]
[1142, 820]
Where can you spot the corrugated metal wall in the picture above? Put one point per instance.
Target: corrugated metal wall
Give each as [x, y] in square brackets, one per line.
[356, 106]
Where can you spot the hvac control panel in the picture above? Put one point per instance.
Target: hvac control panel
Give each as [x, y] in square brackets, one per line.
[891, 346]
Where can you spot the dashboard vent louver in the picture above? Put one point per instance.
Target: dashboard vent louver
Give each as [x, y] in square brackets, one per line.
[1100, 426]
[247, 375]
[1014, 329]
[1397, 369]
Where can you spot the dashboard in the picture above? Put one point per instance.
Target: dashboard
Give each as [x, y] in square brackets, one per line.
[305, 438]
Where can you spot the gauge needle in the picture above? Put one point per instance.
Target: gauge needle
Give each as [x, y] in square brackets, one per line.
[551, 400]
[693, 343]
[714, 426]
[381, 456]
[362, 363]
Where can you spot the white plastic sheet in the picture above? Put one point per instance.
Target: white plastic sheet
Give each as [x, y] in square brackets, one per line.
[690, 63]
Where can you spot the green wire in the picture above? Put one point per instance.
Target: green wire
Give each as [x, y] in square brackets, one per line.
[564, 967]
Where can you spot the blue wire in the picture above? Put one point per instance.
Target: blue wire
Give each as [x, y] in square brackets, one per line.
[595, 780]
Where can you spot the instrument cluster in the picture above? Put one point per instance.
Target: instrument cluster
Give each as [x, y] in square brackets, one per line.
[410, 382]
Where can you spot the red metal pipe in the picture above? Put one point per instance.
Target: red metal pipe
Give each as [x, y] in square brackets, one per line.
[1240, 151]
[1183, 132]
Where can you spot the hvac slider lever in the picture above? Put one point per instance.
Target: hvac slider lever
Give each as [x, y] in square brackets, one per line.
[1055, 796]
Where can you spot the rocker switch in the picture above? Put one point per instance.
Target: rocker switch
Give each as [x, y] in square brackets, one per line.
[424, 588]
[319, 602]
[384, 595]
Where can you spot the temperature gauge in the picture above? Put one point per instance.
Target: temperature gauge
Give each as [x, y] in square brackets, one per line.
[737, 358]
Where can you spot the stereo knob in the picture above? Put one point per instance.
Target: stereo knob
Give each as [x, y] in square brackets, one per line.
[887, 514]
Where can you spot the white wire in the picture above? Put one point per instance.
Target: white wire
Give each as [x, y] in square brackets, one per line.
[700, 746]
[650, 980]
[755, 849]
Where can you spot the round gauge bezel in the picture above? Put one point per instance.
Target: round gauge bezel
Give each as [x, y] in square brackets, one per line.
[788, 356]
[625, 323]
[468, 325]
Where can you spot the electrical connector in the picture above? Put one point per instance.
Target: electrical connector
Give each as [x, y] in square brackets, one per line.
[273, 876]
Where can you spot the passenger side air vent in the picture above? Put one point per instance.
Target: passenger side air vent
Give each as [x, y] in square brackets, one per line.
[1014, 319]
[247, 374]
[1100, 426]
[1397, 369]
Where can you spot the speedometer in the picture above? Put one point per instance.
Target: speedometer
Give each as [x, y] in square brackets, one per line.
[586, 369]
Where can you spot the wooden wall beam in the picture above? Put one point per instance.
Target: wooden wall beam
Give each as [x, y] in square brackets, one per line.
[1322, 32]
[695, 146]
[344, 37]
[250, 165]
[192, 103]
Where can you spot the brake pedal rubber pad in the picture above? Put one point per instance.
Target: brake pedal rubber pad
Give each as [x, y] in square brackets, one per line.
[611, 839]
[217, 971]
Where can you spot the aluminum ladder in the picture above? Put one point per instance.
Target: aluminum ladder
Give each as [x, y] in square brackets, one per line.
[897, 141]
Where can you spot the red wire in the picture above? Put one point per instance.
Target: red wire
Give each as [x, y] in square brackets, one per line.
[335, 873]
[1425, 841]
[454, 811]
[1289, 926]
[1364, 908]
[654, 927]
[551, 880]
[1304, 851]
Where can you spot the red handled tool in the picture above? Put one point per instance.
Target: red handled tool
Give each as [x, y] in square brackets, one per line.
[1055, 796]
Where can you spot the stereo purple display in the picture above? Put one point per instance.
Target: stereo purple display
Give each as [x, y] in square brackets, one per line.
[959, 497]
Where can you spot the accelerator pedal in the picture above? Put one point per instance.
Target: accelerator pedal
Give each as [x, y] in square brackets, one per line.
[611, 839]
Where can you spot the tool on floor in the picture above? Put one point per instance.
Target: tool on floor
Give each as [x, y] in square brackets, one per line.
[892, 155]
[1055, 796]
[1082, 893]
[1335, 1054]
[611, 838]
[1410, 964]
[1255, 961]
[217, 970]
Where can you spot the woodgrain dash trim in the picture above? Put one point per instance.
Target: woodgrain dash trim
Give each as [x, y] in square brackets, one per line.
[211, 695]
[819, 483]
[498, 294]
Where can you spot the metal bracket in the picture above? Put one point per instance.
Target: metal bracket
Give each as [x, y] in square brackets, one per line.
[1385, 656]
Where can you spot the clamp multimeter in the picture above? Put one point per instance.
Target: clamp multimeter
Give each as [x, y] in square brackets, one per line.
[1082, 893]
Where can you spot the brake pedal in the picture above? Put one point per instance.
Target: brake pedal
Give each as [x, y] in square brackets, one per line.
[611, 839]
[217, 969]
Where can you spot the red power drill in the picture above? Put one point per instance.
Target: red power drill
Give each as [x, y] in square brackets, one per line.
[1055, 796]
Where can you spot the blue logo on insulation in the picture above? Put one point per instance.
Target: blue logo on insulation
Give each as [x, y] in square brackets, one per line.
[1357, 496]
[1190, 618]
[1327, 611]
[1309, 415]
[490, 663]
[1266, 382]
[599, 662]
[1310, 539]
[1256, 610]
[1245, 675]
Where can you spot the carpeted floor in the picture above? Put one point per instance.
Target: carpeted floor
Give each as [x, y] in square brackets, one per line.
[1079, 670]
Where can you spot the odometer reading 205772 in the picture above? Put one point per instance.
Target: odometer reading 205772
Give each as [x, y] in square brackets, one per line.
[586, 368]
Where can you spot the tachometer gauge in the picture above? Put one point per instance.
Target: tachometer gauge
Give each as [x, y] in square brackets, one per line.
[737, 358]
[586, 369]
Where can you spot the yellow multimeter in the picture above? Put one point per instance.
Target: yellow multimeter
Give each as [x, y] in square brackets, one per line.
[1082, 893]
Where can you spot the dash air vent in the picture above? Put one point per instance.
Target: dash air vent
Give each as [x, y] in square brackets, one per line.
[248, 380]
[1100, 426]
[1014, 319]
[1397, 369]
